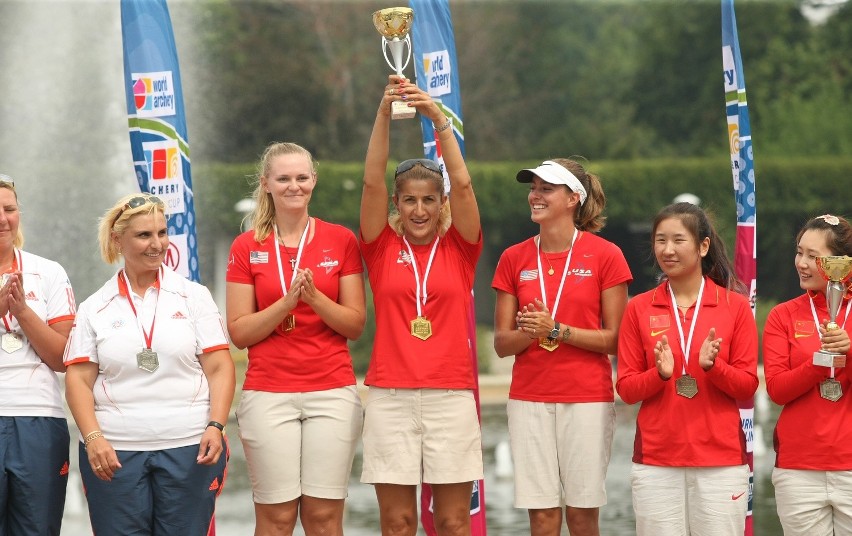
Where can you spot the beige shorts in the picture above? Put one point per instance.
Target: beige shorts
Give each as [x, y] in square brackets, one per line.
[560, 452]
[299, 443]
[421, 435]
[702, 501]
[813, 503]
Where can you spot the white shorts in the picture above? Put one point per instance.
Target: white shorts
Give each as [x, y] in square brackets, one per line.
[813, 503]
[421, 435]
[299, 443]
[701, 501]
[560, 452]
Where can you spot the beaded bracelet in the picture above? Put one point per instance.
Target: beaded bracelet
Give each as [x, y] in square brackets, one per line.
[445, 126]
[91, 436]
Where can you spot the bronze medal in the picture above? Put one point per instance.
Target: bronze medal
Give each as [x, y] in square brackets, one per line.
[548, 344]
[830, 389]
[147, 360]
[289, 323]
[686, 386]
[11, 342]
[421, 328]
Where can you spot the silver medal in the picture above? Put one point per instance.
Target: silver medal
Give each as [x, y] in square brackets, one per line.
[147, 360]
[830, 389]
[11, 342]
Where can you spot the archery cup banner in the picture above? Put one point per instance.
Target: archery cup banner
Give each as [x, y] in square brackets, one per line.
[155, 116]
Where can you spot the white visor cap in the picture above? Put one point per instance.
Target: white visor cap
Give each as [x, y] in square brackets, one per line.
[553, 173]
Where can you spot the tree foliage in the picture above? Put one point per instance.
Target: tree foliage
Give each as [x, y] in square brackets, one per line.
[615, 79]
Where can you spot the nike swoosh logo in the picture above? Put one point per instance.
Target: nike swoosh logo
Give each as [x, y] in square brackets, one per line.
[735, 497]
[587, 255]
[655, 333]
[800, 335]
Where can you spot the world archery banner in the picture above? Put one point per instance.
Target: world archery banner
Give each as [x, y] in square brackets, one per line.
[436, 71]
[155, 113]
[742, 169]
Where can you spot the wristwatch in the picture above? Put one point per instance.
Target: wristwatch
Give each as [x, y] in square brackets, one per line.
[554, 333]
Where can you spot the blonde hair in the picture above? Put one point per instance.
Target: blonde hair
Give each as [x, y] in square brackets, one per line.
[421, 173]
[117, 218]
[18, 242]
[263, 216]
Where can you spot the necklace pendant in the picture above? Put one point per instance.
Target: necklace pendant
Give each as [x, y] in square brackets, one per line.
[293, 264]
[550, 271]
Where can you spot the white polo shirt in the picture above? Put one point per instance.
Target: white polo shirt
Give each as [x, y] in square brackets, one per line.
[141, 410]
[28, 388]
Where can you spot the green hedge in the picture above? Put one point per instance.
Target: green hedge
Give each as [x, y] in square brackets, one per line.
[789, 191]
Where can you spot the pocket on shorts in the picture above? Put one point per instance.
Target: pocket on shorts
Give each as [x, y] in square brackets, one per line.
[377, 394]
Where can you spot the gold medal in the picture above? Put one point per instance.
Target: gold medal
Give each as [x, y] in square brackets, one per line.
[686, 386]
[421, 328]
[147, 360]
[548, 344]
[289, 323]
[830, 389]
[11, 342]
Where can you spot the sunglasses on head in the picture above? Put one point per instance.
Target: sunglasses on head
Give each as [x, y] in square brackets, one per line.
[6, 179]
[138, 201]
[405, 165]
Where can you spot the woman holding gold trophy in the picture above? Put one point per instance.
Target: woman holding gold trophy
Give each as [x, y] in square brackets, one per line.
[813, 436]
[421, 424]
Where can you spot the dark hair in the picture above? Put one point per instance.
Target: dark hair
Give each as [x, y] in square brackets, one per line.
[837, 229]
[715, 264]
[588, 216]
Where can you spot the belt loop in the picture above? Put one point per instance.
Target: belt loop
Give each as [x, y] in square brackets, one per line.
[393, 392]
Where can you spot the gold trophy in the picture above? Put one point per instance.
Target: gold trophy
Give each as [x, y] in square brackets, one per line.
[394, 23]
[837, 269]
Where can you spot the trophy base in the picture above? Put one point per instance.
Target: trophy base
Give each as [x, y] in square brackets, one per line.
[825, 359]
[401, 110]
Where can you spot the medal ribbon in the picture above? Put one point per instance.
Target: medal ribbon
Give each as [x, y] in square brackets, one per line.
[686, 346]
[816, 321]
[418, 293]
[149, 335]
[564, 273]
[16, 267]
[298, 255]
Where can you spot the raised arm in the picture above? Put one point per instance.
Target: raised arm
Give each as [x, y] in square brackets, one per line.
[463, 205]
[374, 195]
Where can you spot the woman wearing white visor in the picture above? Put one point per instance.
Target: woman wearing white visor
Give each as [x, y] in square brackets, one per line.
[560, 298]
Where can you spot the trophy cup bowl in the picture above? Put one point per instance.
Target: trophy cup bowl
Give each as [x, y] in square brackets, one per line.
[394, 24]
[837, 270]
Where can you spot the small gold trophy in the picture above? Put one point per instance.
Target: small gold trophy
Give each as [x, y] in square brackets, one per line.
[394, 23]
[837, 269]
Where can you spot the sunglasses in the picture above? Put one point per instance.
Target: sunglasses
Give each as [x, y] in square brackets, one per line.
[405, 165]
[7, 179]
[138, 201]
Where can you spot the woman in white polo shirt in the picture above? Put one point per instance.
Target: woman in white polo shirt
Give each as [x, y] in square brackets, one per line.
[37, 310]
[150, 381]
